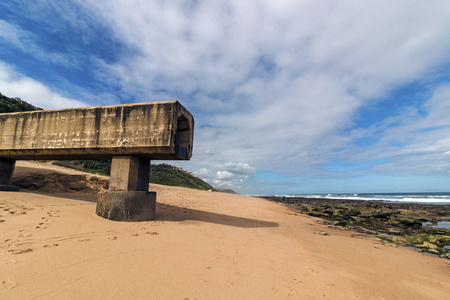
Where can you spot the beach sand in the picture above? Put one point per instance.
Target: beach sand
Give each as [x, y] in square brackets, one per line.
[203, 245]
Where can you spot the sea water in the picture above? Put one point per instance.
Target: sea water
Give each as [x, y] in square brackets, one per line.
[422, 198]
[437, 225]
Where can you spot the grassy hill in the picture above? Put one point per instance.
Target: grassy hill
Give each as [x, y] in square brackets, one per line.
[171, 175]
[160, 174]
[101, 167]
[14, 105]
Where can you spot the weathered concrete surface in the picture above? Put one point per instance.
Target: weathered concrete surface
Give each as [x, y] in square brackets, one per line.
[127, 206]
[156, 130]
[129, 173]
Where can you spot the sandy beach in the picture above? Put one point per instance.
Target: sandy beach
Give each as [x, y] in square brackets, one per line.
[203, 245]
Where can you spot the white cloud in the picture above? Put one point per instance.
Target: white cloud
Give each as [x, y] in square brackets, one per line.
[410, 143]
[239, 169]
[277, 83]
[11, 34]
[234, 175]
[205, 174]
[14, 84]
[26, 41]
[224, 175]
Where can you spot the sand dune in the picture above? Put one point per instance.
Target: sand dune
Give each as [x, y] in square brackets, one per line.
[203, 245]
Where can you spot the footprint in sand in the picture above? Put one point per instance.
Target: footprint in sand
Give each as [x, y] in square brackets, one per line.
[321, 233]
[40, 227]
[52, 245]
[296, 281]
[1, 220]
[152, 233]
[10, 261]
[20, 251]
[9, 284]
[83, 240]
[53, 213]
[24, 235]
[112, 238]
[135, 234]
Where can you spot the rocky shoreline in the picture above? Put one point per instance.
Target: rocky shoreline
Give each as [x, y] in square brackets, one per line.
[393, 223]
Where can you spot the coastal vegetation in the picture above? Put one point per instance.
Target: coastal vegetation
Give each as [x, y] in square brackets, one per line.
[14, 105]
[164, 174]
[174, 176]
[101, 167]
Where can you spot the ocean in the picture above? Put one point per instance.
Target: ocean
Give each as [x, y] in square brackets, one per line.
[425, 198]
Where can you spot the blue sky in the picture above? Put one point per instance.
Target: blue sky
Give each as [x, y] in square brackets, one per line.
[288, 96]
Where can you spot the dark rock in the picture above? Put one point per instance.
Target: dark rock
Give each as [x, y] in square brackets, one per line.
[411, 223]
[57, 182]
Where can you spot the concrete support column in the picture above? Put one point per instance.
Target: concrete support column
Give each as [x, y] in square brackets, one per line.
[6, 174]
[128, 198]
[129, 173]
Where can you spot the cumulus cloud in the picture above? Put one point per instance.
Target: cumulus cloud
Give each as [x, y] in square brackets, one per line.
[234, 175]
[273, 84]
[224, 175]
[14, 84]
[239, 169]
[205, 174]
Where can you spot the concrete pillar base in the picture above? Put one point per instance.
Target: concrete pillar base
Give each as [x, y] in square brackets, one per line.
[127, 205]
[8, 188]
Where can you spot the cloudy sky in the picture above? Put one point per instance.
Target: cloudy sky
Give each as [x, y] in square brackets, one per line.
[301, 96]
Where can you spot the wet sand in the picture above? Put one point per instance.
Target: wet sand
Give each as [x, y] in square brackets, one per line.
[203, 245]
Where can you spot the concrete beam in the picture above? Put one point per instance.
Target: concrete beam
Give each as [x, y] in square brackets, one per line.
[156, 130]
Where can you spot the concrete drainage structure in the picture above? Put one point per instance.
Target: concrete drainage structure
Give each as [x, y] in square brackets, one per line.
[131, 135]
